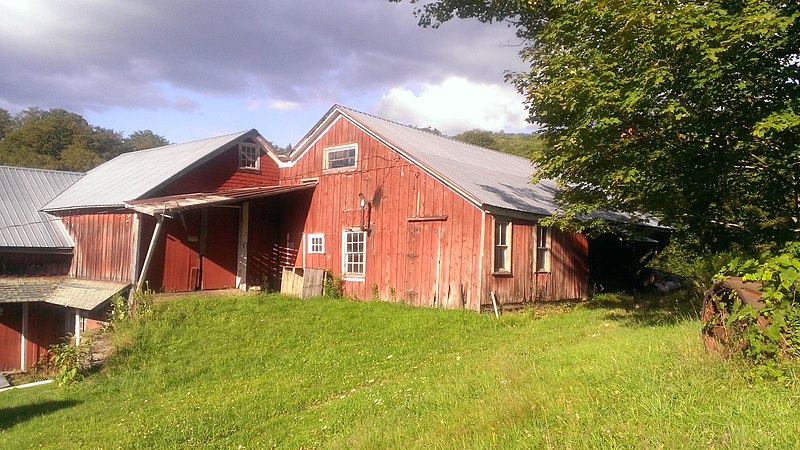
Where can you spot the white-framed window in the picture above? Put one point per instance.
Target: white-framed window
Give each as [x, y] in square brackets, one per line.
[316, 243]
[343, 157]
[542, 248]
[502, 245]
[354, 253]
[248, 156]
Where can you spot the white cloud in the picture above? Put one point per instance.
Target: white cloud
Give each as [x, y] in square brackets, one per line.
[456, 105]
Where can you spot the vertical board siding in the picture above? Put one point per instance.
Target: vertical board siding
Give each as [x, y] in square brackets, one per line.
[34, 264]
[47, 325]
[405, 258]
[568, 273]
[10, 336]
[102, 245]
[222, 172]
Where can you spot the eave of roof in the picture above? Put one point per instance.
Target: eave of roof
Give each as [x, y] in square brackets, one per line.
[164, 205]
[68, 292]
[23, 191]
[137, 175]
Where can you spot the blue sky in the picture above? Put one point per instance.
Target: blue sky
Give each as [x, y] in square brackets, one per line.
[192, 69]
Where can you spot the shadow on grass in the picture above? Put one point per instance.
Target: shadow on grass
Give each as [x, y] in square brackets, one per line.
[648, 309]
[18, 414]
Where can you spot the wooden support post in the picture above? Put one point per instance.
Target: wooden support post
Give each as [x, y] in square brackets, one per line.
[77, 327]
[241, 266]
[148, 259]
[23, 336]
[494, 305]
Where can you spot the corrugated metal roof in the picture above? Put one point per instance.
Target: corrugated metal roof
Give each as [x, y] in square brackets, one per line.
[23, 192]
[151, 206]
[134, 175]
[68, 292]
[488, 178]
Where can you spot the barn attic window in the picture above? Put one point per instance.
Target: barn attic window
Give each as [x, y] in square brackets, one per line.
[342, 157]
[248, 156]
[502, 246]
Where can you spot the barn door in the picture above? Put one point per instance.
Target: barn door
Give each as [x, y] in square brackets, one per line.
[423, 263]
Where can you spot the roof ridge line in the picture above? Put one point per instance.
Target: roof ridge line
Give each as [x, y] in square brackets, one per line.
[38, 169]
[442, 136]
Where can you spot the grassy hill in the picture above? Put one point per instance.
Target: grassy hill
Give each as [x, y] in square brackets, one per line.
[259, 371]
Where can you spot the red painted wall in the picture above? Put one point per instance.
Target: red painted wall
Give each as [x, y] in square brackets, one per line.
[103, 245]
[34, 264]
[47, 325]
[425, 243]
[222, 172]
[10, 335]
[422, 263]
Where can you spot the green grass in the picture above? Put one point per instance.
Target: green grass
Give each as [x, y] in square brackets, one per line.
[262, 371]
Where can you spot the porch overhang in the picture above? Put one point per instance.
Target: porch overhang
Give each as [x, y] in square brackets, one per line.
[86, 295]
[181, 202]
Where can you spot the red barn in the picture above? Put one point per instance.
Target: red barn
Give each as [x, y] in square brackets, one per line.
[407, 215]
[39, 303]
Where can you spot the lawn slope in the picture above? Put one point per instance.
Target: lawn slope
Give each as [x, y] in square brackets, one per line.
[262, 371]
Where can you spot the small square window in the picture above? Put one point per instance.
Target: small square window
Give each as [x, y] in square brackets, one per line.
[343, 157]
[316, 243]
[248, 156]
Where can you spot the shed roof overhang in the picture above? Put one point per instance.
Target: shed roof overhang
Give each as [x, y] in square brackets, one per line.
[68, 292]
[181, 202]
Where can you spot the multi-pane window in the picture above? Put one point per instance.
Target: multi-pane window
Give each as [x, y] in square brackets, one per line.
[354, 244]
[502, 246]
[248, 156]
[343, 157]
[316, 243]
[542, 248]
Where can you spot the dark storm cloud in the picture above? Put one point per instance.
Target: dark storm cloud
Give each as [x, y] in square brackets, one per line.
[99, 54]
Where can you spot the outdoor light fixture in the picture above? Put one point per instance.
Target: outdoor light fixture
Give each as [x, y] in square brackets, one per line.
[366, 207]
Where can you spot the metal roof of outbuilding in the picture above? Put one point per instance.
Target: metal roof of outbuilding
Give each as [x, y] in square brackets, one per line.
[135, 175]
[68, 292]
[23, 192]
[488, 178]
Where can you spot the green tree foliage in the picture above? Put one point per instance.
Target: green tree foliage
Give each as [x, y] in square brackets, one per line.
[144, 139]
[687, 109]
[519, 144]
[62, 140]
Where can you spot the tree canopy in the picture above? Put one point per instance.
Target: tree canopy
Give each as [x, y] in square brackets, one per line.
[519, 144]
[63, 140]
[686, 109]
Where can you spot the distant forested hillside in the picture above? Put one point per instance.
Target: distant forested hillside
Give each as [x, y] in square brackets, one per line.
[62, 140]
[520, 144]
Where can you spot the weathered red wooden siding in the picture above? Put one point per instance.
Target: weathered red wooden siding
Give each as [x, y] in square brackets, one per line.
[10, 336]
[418, 262]
[34, 264]
[219, 262]
[47, 325]
[103, 245]
[179, 262]
[222, 172]
[567, 277]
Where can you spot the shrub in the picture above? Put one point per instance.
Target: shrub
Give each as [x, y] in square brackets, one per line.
[770, 335]
[333, 285]
[71, 362]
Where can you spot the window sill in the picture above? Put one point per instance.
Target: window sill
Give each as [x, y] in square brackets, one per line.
[339, 170]
[502, 273]
[249, 170]
[544, 272]
[355, 278]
